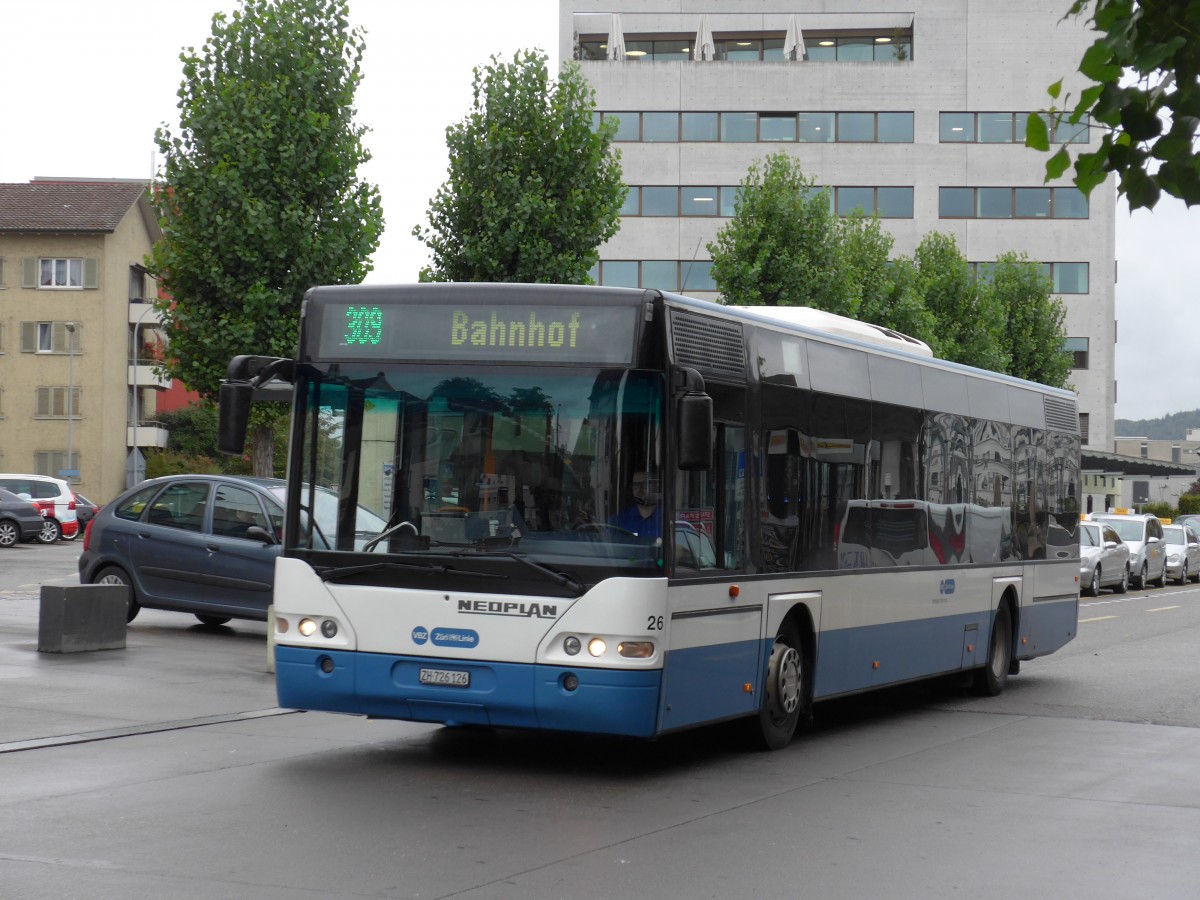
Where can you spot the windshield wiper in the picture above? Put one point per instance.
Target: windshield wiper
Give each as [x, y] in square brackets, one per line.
[562, 579]
[333, 573]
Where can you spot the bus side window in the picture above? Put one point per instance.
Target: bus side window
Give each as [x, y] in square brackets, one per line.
[710, 522]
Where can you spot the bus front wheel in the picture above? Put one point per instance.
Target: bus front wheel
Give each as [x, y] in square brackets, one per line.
[990, 680]
[783, 690]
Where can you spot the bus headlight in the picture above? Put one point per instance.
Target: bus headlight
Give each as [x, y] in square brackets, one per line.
[636, 649]
[307, 627]
[571, 645]
[597, 647]
[329, 628]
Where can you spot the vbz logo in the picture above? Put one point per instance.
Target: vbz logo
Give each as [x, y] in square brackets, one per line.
[946, 588]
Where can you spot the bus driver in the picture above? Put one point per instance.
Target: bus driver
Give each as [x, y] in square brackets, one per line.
[644, 516]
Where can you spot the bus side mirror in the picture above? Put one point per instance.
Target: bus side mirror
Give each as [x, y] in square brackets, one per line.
[233, 416]
[695, 432]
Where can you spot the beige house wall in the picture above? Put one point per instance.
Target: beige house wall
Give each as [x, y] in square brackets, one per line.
[100, 367]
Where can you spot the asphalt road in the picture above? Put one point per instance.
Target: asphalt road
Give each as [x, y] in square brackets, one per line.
[164, 770]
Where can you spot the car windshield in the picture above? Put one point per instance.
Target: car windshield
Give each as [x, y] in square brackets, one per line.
[547, 462]
[1089, 536]
[1173, 534]
[1128, 529]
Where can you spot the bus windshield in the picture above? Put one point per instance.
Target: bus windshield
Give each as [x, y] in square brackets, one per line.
[542, 462]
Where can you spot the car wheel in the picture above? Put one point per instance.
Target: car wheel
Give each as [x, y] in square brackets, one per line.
[1139, 583]
[51, 531]
[113, 575]
[1123, 585]
[990, 680]
[1183, 574]
[1161, 580]
[213, 620]
[1094, 588]
[9, 533]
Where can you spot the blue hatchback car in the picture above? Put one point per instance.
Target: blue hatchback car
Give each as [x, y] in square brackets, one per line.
[202, 544]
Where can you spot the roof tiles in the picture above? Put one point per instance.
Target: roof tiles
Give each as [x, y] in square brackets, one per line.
[70, 206]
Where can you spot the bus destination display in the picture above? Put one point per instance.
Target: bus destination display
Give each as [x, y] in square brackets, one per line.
[506, 333]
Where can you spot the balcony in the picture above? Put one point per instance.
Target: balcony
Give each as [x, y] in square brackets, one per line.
[143, 314]
[142, 376]
[146, 435]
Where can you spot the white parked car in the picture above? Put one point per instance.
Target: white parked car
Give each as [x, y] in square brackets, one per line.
[55, 501]
[1103, 559]
[1143, 533]
[1183, 553]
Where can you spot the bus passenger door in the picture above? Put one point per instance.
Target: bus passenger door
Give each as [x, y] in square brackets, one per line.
[711, 669]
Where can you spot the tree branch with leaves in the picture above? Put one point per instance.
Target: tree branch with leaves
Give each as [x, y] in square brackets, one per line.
[1145, 96]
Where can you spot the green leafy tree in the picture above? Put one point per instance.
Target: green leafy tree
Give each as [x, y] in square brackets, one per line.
[259, 197]
[781, 247]
[1145, 69]
[533, 188]
[969, 319]
[883, 291]
[1033, 321]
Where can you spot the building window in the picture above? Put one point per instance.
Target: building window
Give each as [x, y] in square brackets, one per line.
[1000, 128]
[1078, 348]
[1084, 424]
[660, 127]
[1065, 277]
[1176, 453]
[878, 46]
[137, 284]
[60, 273]
[1011, 203]
[1069, 278]
[50, 337]
[741, 127]
[660, 201]
[52, 403]
[825, 47]
[659, 274]
[1145, 450]
[51, 462]
[698, 201]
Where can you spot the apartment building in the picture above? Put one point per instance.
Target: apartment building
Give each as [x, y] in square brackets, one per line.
[914, 111]
[78, 333]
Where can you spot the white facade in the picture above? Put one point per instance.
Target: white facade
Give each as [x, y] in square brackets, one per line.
[965, 56]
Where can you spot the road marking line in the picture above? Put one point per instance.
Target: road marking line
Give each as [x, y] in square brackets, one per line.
[1162, 608]
[1098, 619]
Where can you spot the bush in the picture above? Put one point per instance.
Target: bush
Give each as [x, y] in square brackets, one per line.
[165, 462]
[1189, 503]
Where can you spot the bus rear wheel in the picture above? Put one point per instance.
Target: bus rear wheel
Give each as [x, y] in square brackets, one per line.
[783, 690]
[990, 680]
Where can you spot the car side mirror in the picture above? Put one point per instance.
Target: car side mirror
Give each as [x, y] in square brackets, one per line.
[1110, 545]
[258, 533]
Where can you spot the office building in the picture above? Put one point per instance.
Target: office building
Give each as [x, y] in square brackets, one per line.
[914, 111]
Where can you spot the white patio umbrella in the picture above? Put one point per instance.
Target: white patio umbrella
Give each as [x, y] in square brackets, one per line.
[616, 39]
[704, 48]
[793, 41]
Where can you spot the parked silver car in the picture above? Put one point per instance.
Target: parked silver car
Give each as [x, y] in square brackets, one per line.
[1183, 552]
[1147, 553]
[1103, 559]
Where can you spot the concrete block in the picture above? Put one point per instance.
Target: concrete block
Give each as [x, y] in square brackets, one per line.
[77, 618]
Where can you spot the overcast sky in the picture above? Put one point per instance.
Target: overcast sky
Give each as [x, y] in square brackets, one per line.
[84, 84]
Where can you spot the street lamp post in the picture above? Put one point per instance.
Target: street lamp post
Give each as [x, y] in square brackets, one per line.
[70, 467]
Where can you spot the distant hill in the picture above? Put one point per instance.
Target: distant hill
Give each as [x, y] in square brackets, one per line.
[1167, 428]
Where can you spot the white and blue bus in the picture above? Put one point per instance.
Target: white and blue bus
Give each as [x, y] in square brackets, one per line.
[628, 512]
